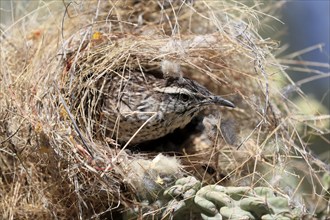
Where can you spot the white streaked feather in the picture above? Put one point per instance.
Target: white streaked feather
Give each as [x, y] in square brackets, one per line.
[172, 90]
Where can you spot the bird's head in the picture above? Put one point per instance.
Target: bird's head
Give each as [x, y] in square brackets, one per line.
[186, 97]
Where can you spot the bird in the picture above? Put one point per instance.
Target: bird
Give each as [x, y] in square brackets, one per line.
[139, 106]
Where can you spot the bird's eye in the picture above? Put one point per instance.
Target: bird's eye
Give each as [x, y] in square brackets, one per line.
[184, 97]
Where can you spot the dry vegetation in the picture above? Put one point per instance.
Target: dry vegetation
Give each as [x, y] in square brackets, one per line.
[53, 166]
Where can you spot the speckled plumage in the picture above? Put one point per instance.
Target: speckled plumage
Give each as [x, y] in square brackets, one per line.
[150, 106]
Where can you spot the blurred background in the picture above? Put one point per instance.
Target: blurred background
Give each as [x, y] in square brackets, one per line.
[307, 24]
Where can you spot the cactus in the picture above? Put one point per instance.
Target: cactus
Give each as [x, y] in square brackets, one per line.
[219, 202]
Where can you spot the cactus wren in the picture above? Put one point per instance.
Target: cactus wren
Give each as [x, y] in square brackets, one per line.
[149, 105]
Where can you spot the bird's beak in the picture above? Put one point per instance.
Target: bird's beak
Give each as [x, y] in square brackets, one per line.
[220, 101]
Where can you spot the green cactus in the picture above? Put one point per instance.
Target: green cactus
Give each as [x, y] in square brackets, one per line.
[213, 202]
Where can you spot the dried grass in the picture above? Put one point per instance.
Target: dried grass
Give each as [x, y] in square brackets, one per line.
[53, 166]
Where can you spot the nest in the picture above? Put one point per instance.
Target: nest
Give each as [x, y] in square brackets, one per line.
[53, 163]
